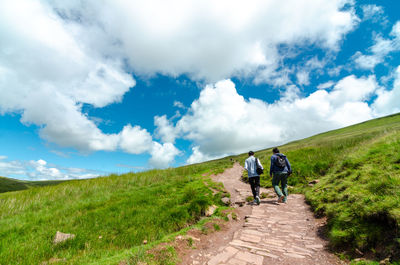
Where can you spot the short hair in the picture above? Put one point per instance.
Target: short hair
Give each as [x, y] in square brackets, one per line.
[275, 150]
[251, 153]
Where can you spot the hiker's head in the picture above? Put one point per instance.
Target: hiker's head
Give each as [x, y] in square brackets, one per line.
[275, 150]
[251, 153]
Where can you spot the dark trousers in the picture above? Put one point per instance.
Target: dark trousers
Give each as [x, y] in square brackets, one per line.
[280, 177]
[255, 185]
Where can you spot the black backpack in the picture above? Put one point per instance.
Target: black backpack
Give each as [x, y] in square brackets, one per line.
[280, 161]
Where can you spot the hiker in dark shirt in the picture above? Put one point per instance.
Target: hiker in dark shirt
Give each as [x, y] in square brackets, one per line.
[279, 171]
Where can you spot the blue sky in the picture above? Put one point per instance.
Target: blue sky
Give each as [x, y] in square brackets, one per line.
[89, 89]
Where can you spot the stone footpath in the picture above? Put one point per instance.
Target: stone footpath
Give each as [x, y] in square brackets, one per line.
[274, 234]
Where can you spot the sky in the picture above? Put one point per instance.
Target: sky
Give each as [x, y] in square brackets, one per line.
[90, 88]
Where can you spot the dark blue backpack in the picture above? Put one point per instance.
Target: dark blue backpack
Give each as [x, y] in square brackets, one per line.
[280, 161]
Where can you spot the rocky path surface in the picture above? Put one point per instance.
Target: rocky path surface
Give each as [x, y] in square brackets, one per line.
[270, 233]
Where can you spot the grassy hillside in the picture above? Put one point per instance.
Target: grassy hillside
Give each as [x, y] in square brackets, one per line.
[359, 188]
[361, 197]
[110, 216]
[8, 184]
[358, 168]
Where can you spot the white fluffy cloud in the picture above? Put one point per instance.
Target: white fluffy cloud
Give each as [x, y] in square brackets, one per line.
[197, 156]
[380, 50]
[135, 140]
[207, 39]
[222, 122]
[165, 129]
[48, 69]
[46, 73]
[11, 167]
[56, 56]
[162, 155]
[41, 170]
[387, 101]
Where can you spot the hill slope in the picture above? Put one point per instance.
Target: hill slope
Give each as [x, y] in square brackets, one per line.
[359, 188]
[110, 216]
[9, 184]
[358, 168]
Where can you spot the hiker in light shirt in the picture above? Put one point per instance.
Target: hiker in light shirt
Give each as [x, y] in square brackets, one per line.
[254, 178]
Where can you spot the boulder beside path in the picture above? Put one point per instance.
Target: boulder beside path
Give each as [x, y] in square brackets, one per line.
[61, 237]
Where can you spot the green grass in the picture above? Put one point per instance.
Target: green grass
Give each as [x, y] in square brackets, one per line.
[124, 210]
[359, 188]
[9, 184]
[361, 197]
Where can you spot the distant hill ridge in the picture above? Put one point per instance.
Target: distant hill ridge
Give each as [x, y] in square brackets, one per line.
[9, 184]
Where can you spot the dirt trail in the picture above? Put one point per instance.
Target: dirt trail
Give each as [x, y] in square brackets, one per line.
[269, 233]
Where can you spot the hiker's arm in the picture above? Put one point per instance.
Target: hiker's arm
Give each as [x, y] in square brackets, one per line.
[288, 165]
[270, 168]
[246, 166]
[259, 163]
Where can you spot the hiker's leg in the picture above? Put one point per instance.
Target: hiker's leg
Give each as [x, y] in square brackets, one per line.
[253, 186]
[257, 185]
[275, 183]
[284, 178]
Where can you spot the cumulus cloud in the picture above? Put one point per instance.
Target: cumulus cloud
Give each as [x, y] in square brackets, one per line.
[209, 40]
[135, 140]
[46, 74]
[165, 129]
[379, 51]
[75, 53]
[197, 156]
[41, 170]
[45, 172]
[162, 155]
[57, 56]
[48, 70]
[387, 101]
[222, 122]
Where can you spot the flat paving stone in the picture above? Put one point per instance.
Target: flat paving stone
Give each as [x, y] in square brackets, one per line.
[251, 232]
[223, 256]
[319, 246]
[293, 255]
[250, 258]
[266, 254]
[242, 244]
[250, 238]
[234, 261]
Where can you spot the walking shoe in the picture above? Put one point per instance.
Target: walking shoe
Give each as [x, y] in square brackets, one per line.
[281, 199]
[258, 200]
[255, 201]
